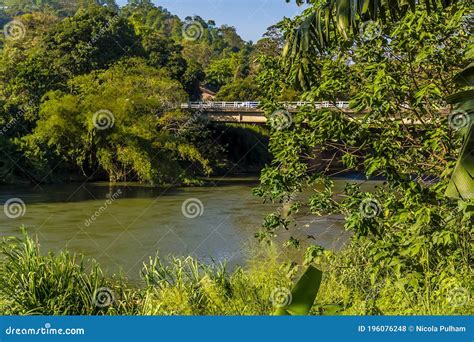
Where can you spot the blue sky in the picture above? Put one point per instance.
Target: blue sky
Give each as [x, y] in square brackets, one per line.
[250, 17]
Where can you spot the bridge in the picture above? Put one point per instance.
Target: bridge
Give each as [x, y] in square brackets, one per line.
[249, 111]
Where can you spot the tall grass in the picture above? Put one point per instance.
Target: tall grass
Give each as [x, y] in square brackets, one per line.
[67, 284]
[62, 284]
[185, 286]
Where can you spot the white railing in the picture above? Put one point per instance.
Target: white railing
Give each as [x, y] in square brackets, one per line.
[255, 105]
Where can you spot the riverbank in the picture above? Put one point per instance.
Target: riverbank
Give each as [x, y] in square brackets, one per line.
[66, 284]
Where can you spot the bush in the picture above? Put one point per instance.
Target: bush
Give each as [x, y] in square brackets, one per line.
[62, 284]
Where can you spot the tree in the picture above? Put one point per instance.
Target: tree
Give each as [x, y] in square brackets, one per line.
[239, 90]
[62, 8]
[271, 45]
[121, 122]
[397, 75]
[164, 53]
[225, 70]
[92, 39]
[335, 18]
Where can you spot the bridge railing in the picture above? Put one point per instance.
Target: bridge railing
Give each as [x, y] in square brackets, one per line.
[255, 105]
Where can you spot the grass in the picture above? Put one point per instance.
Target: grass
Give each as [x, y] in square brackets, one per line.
[347, 284]
[61, 284]
[67, 284]
[185, 286]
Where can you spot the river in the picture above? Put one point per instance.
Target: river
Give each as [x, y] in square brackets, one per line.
[122, 225]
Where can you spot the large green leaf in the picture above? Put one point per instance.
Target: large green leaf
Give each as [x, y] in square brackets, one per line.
[462, 181]
[466, 77]
[303, 294]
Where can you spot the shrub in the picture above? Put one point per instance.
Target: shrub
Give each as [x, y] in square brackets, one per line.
[62, 284]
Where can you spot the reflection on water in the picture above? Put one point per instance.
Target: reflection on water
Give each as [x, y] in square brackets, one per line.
[122, 225]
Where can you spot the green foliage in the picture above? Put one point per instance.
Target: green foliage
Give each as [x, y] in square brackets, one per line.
[62, 284]
[327, 21]
[226, 70]
[462, 182]
[62, 8]
[349, 284]
[137, 141]
[303, 294]
[412, 239]
[187, 287]
[66, 284]
[64, 67]
[52, 52]
[240, 89]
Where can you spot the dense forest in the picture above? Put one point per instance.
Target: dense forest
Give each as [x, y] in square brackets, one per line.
[92, 91]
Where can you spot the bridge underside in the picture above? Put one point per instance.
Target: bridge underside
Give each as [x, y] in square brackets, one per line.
[244, 116]
[249, 112]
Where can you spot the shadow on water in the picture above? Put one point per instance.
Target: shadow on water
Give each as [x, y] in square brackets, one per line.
[80, 192]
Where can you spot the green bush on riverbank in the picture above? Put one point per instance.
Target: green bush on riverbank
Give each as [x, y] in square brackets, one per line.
[65, 284]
